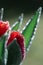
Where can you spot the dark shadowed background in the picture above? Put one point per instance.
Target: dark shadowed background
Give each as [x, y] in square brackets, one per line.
[12, 9]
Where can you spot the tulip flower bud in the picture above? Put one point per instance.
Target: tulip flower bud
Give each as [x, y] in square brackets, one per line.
[20, 40]
[4, 26]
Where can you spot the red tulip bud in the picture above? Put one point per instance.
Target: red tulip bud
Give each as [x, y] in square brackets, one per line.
[20, 40]
[3, 27]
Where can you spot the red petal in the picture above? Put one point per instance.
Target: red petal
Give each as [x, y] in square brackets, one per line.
[20, 40]
[3, 27]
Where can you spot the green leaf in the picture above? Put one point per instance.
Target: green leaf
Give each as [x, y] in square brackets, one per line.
[2, 43]
[17, 25]
[29, 30]
[1, 13]
[14, 53]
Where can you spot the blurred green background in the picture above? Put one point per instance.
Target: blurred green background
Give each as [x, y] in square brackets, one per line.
[11, 13]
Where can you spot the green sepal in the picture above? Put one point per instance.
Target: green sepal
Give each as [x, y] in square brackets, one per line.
[14, 53]
[29, 29]
[2, 44]
[15, 27]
